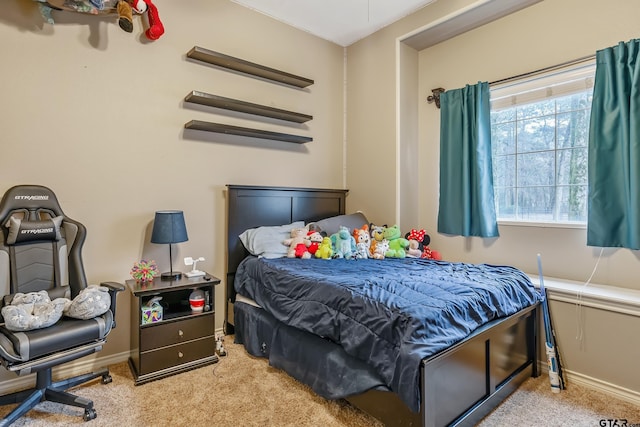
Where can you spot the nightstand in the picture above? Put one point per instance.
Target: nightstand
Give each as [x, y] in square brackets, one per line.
[182, 339]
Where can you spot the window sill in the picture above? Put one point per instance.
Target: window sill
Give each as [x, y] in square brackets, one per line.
[542, 224]
[604, 297]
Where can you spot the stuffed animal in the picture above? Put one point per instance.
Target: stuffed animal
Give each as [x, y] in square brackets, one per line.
[297, 244]
[125, 16]
[344, 245]
[397, 244]
[427, 253]
[325, 250]
[413, 251]
[92, 7]
[90, 302]
[363, 242]
[33, 310]
[156, 29]
[381, 248]
[124, 9]
[377, 234]
[418, 240]
[314, 238]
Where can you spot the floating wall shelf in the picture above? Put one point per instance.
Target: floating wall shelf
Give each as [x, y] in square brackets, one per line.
[242, 131]
[231, 63]
[203, 98]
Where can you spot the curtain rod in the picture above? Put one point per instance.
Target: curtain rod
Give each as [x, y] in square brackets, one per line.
[544, 70]
[436, 92]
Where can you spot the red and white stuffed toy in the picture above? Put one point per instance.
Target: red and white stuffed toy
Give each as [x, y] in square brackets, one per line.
[419, 245]
[156, 29]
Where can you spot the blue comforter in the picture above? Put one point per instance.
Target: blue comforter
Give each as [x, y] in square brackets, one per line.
[389, 313]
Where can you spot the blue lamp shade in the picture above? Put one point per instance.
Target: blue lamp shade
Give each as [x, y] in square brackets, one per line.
[169, 227]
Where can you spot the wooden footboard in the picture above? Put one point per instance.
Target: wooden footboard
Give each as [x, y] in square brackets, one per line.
[464, 383]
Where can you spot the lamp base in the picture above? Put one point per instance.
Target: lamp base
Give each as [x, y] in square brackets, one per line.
[171, 275]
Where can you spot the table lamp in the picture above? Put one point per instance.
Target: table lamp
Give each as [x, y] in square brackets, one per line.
[169, 227]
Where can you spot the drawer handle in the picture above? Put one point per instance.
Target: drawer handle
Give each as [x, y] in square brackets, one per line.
[180, 332]
[180, 354]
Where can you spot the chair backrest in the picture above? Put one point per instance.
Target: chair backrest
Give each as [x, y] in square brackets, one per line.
[40, 247]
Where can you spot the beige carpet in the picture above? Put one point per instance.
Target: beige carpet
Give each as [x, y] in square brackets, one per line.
[242, 390]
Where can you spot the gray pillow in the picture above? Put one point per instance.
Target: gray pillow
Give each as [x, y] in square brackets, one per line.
[267, 241]
[28, 231]
[33, 310]
[92, 301]
[332, 224]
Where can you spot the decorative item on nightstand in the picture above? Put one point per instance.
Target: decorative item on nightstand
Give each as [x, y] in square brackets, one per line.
[144, 271]
[194, 271]
[169, 227]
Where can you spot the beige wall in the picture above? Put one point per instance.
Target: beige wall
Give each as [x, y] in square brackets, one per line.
[97, 115]
[373, 167]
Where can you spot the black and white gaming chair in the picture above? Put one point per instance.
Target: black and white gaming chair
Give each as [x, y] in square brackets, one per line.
[40, 249]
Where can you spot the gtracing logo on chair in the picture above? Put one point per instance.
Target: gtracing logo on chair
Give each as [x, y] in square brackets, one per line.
[43, 197]
[37, 231]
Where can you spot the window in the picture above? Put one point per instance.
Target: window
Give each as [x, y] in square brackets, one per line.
[539, 136]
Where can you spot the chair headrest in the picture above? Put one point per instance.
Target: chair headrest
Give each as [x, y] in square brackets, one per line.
[31, 199]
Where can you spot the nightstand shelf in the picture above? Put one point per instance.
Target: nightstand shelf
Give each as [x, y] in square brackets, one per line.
[183, 339]
[246, 67]
[248, 132]
[210, 100]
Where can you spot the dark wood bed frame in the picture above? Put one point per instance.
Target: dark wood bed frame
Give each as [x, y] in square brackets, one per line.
[460, 385]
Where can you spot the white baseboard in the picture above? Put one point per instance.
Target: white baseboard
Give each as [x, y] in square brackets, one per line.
[613, 390]
[71, 369]
[622, 393]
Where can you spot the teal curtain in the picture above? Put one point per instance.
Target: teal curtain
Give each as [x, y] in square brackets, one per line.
[466, 179]
[614, 149]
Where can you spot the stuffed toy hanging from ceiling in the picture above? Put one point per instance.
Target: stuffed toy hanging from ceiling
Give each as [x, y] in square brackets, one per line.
[125, 10]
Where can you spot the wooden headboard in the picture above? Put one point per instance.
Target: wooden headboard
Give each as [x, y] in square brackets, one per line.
[254, 206]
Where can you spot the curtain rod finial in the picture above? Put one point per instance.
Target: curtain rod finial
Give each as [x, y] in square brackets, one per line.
[436, 96]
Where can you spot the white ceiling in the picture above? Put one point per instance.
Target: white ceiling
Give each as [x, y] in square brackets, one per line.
[341, 21]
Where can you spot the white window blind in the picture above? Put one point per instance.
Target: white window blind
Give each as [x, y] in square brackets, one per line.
[547, 85]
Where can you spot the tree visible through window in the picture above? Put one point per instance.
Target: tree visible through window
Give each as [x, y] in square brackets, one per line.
[539, 153]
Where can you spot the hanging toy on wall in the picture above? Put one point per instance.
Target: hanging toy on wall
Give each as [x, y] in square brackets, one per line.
[123, 8]
[156, 29]
[125, 16]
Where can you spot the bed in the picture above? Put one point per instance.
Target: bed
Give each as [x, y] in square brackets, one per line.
[454, 383]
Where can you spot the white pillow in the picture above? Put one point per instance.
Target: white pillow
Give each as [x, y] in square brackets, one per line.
[267, 241]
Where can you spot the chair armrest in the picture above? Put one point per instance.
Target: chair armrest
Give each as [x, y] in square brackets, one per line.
[114, 288]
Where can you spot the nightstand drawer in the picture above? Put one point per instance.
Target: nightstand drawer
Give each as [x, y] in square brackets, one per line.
[164, 334]
[175, 355]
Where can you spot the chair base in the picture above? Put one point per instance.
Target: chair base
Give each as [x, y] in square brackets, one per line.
[46, 389]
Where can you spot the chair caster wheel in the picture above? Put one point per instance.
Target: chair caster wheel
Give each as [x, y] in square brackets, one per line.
[106, 379]
[89, 414]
